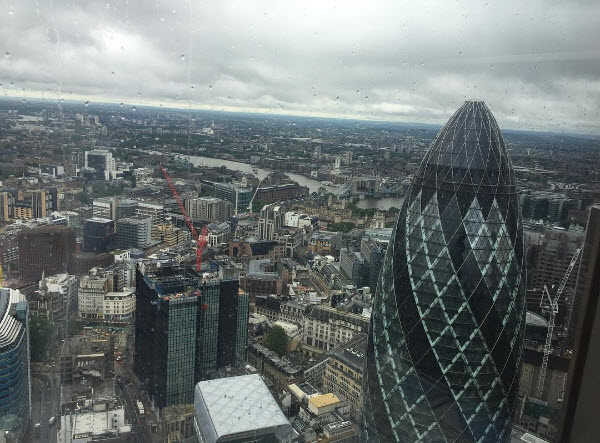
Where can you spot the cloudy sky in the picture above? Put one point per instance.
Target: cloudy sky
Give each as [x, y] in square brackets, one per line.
[536, 62]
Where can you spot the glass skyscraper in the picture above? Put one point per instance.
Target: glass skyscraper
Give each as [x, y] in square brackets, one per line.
[444, 351]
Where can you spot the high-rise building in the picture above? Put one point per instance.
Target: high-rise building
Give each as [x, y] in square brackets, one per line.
[208, 208]
[272, 219]
[178, 320]
[239, 197]
[580, 405]
[47, 249]
[99, 235]
[134, 233]
[445, 341]
[102, 161]
[15, 382]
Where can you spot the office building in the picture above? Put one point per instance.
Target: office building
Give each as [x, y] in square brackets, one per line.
[134, 233]
[326, 327]
[344, 371]
[272, 219]
[47, 249]
[105, 207]
[65, 285]
[99, 235]
[239, 197]
[184, 330]
[208, 209]
[352, 265]
[238, 409]
[373, 252]
[15, 386]
[7, 205]
[101, 161]
[444, 352]
[580, 405]
[126, 208]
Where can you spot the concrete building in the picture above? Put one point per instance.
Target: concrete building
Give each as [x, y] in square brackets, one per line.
[97, 423]
[262, 278]
[270, 222]
[101, 161]
[238, 409]
[352, 265]
[325, 242]
[15, 386]
[344, 371]
[105, 207]
[134, 233]
[208, 209]
[326, 327]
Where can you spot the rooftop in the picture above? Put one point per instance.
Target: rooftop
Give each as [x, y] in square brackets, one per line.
[236, 405]
[320, 401]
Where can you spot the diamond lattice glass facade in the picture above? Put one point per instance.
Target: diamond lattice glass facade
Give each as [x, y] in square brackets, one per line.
[444, 351]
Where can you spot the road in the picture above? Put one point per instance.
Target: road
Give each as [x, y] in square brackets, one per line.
[45, 401]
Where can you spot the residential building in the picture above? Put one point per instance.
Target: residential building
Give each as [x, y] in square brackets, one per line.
[208, 209]
[105, 207]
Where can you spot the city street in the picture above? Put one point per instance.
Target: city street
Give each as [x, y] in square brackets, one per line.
[45, 403]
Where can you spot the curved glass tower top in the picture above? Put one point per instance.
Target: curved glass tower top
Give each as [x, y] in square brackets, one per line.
[444, 352]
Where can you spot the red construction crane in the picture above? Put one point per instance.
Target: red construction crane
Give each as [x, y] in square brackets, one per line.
[200, 240]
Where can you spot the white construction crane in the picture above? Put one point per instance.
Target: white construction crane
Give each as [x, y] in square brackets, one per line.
[552, 307]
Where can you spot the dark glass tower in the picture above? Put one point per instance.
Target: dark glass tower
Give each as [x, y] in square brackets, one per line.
[444, 351]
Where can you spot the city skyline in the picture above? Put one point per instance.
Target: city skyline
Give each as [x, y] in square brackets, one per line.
[385, 62]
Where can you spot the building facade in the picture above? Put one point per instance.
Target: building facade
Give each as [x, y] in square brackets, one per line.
[47, 249]
[134, 233]
[208, 209]
[15, 379]
[180, 316]
[445, 343]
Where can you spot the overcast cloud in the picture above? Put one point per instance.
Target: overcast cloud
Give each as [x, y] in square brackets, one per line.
[536, 63]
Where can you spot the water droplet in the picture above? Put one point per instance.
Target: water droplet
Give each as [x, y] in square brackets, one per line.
[174, 11]
[121, 104]
[182, 57]
[209, 86]
[390, 74]
[338, 97]
[134, 109]
[367, 97]
[358, 91]
[353, 53]
[162, 19]
[113, 72]
[492, 67]
[459, 52]
[23, 100]
[86, 103]
[7, 54]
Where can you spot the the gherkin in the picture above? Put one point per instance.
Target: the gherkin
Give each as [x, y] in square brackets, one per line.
[444, 352]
